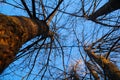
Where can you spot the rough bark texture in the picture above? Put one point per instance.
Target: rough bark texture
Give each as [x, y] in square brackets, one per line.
[110, 69]
[15, 31]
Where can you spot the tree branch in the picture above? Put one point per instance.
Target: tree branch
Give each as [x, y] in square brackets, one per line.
[110, 69]
[110, 6]
[43, 9]
[26, 8]
[49, 18]
[33, 8]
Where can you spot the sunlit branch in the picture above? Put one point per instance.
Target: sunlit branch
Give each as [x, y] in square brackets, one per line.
[92, 71]
[49, 18]
[109, 68]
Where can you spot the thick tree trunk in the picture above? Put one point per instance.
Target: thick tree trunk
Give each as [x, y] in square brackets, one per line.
[15, 31]
[110, 69]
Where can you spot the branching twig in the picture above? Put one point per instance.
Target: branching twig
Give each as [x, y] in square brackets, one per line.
[112, 47]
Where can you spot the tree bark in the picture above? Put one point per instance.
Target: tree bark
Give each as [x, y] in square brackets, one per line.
[92, 71]
[110, 69]
[107, 8]
[15, 31]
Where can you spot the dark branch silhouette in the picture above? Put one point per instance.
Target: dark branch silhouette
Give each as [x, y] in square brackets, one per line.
[33, 8]
[109, 7]
[26, 8]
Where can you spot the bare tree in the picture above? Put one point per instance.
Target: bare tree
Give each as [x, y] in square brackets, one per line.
[52, 36]
[99, 50]
[21, 29]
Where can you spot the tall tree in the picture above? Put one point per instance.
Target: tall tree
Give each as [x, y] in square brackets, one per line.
[20, 30]
[74, 41]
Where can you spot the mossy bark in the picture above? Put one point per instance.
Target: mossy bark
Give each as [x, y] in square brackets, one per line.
[15, 31]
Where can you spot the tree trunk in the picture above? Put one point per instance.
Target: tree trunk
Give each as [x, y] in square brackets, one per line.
[107, 8]
[110, 69]
[15, 31]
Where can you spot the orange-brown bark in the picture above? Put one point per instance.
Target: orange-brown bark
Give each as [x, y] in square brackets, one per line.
[15, 31]
[92, 71]
[110, 69]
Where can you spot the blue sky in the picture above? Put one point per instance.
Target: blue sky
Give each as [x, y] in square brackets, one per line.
[72, 54]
